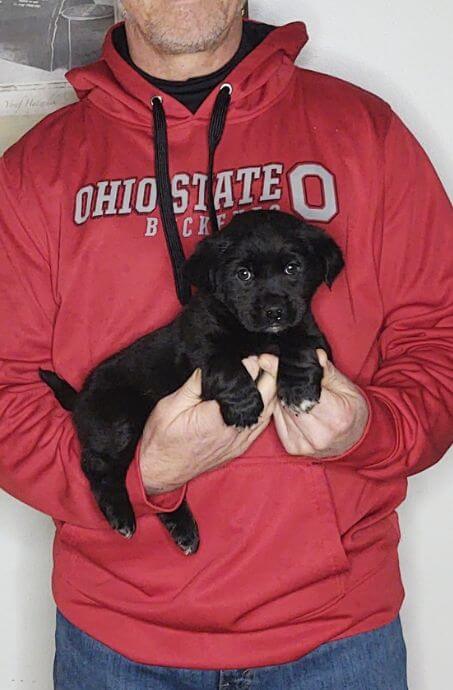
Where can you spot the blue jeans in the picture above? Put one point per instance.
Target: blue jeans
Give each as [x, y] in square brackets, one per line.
[371, 661]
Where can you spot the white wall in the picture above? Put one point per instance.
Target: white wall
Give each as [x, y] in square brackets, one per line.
[401, 49]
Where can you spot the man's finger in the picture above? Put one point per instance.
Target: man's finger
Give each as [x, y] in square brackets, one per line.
[252, 365]
[269, 363]
[267, 386]
[322, 357]
[255, 431]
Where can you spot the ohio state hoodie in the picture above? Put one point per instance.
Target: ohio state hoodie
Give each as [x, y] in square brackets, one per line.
[294, 552]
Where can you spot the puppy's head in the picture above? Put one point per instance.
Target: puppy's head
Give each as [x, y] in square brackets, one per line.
[265, 267]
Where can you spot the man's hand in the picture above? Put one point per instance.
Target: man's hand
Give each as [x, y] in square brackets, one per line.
[333, 426]
[185, 436]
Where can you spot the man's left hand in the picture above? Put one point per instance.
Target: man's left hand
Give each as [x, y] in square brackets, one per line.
[333, 426]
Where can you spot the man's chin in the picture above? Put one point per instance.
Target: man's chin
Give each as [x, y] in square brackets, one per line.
[179, 32]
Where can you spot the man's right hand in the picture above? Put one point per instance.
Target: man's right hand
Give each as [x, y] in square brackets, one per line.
[185, 436]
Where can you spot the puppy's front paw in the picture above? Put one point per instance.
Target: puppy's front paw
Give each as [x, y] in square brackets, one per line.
[300, 394]
[244, 412]
[304, 406]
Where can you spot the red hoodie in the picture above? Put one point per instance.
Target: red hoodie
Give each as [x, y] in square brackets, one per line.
[293, 552]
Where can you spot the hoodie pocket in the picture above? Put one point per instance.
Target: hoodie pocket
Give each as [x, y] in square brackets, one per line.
[270, 554]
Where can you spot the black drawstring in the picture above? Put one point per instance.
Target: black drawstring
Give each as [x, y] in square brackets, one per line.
[165, 197]
[216, 128]
[164, 191]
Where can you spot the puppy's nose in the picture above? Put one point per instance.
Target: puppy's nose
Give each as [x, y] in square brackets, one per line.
[274, 314]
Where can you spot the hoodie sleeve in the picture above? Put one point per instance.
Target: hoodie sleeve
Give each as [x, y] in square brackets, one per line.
[410, 400]
[39, 449]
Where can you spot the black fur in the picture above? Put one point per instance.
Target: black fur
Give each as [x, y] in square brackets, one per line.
[256, 280]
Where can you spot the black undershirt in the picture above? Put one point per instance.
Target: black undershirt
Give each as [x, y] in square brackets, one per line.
[192, 92]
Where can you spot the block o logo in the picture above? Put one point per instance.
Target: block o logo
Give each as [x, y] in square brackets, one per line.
[299, 179]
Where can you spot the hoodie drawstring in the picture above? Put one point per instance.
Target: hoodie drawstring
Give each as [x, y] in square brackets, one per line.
[216, 129]
[165, 198]
[164, 190]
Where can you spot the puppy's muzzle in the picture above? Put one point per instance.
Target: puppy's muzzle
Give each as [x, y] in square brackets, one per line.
[274, 315]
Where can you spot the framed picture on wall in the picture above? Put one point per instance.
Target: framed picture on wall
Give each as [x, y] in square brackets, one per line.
[39, 41]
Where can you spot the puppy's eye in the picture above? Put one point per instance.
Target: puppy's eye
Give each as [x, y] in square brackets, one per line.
[244, 274]
[292, 268]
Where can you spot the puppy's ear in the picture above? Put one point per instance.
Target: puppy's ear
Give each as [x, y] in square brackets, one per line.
[201, 268]
[325, 250]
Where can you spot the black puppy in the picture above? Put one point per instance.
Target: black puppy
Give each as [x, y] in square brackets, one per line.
[256, 280]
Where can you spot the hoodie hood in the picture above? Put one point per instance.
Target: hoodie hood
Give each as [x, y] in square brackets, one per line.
[113, 86]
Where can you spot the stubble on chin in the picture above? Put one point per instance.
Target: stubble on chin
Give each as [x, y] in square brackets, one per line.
[183, 32]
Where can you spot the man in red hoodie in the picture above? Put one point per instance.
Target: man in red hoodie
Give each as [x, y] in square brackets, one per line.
[296, 583]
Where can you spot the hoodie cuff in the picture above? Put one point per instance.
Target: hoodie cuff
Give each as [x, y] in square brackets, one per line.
[144, 503]
[379, 439]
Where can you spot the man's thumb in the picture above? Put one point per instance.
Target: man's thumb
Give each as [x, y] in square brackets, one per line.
[331, 374]
[187, 396]
[191, 389]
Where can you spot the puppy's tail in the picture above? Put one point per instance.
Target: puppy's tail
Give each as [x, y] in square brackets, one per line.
[64, 393]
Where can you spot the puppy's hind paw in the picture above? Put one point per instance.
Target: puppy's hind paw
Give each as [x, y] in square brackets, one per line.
[188, 543]
[121, 518]
[125, 528]
[126, 532]
[182, 528]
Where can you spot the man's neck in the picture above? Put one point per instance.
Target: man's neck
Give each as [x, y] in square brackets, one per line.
[182, 67]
